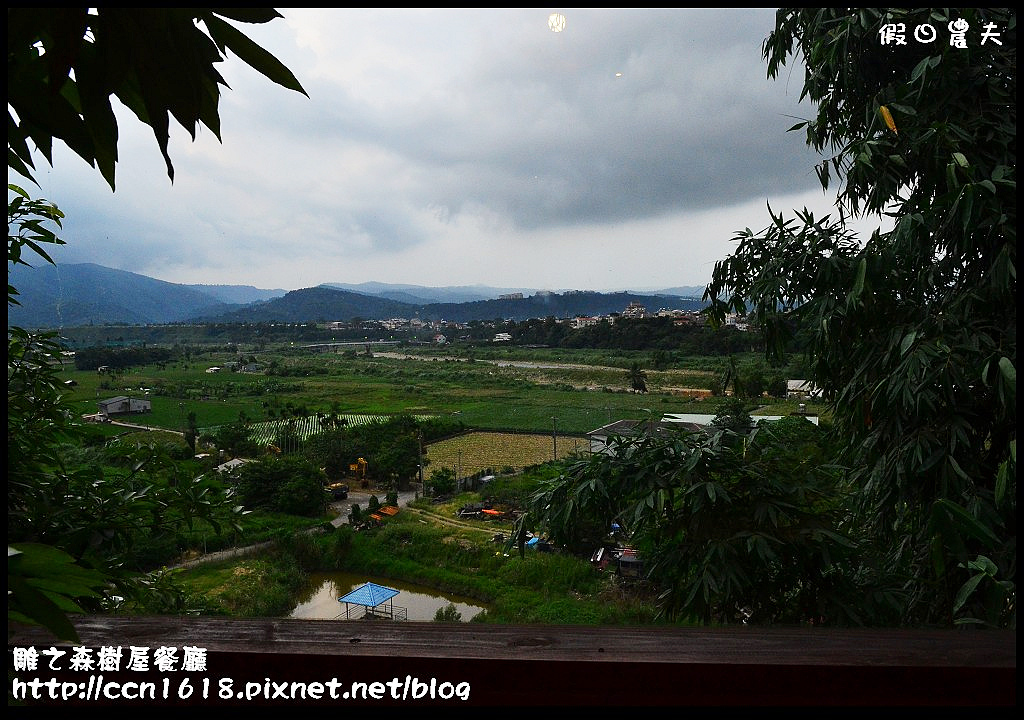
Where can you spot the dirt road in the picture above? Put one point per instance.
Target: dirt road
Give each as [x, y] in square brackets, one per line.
[342, 507]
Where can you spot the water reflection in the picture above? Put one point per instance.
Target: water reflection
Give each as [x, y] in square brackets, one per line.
[320, 599]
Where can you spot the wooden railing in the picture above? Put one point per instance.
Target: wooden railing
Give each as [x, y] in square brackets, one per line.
[249, 661]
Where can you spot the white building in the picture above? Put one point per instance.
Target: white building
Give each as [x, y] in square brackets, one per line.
[123, 405]
[802, 389]
[582, 322]
[231, 465]
[635, 310]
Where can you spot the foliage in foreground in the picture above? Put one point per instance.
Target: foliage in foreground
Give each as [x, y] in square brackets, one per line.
[73, 526]
[540, 588]
[63, 66]
[910, 334]
[725, 521]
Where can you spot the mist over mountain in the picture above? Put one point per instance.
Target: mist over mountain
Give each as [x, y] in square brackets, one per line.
[76, 294]
[238, 294]
[326, 304]
[418, 294]
[686, 291]
[54, 296]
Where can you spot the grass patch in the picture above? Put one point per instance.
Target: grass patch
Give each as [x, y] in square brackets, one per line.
[547, 588]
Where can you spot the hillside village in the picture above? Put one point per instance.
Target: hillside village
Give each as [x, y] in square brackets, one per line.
[449, 330]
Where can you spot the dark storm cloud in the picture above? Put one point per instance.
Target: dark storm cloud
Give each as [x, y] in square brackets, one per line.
[451, 142]
[544, 132]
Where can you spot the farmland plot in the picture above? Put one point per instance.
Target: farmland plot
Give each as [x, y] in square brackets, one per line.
[264, 433]
[473, 452]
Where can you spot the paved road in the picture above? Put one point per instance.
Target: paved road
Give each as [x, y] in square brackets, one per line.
[362, 499]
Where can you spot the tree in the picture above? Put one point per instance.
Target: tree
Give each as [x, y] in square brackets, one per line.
[637, 378]
[448, 613]
[910, 333]
[234, 439]
[287, 436]
[328, 449]
[727, 522]
[287, 484]
[63, 66]
[732, 415]
[192, 431]
[441, 481]
[398, 461]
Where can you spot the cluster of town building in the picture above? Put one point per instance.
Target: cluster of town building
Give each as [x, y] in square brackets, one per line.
[633, 310]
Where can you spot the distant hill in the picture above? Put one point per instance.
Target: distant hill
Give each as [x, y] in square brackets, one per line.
[80, 294]
[326, 304]
[316, 304]
[237, 294]
[76, 294]
[688, 291]
[419, 294]
[559, 305]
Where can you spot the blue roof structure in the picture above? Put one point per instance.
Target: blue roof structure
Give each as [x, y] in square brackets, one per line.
[369, 595]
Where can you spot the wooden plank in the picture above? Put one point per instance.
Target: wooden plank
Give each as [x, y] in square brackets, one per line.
[566, 665]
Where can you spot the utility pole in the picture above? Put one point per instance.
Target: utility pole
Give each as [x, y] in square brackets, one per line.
[423, 488]
[554, 438]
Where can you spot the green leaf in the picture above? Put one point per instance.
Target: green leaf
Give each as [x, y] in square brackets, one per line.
[1009, 374]
[25, 602]
[858, 283]
[1002, 481]
[904, 109]
[960, 159]
[919, 69]
[255, 56]
[965, 522]
[908, 341]
[956, 467]
[965, 591]
[951, 182]
[984, 565]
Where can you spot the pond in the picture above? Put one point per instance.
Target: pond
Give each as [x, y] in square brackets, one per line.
[320, 599]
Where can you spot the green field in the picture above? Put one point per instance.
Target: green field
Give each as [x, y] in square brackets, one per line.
[481, 393]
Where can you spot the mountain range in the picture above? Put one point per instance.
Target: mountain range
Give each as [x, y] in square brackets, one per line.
[72, 295]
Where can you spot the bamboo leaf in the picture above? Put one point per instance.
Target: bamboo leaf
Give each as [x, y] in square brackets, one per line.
[226, 36]
[965, 591]
[908, 341]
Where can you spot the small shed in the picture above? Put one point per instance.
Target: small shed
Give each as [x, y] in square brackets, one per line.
[802, 389]
[629, 563]
[371, 600]
[123, 405]
[231, 465]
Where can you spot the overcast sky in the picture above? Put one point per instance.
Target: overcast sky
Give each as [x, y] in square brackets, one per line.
[462, 147]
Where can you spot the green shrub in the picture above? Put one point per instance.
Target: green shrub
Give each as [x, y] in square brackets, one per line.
[448, 613]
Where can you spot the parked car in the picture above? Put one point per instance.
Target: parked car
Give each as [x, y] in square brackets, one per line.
[338, 490]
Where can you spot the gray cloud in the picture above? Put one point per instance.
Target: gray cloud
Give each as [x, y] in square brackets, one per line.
[434, 142]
